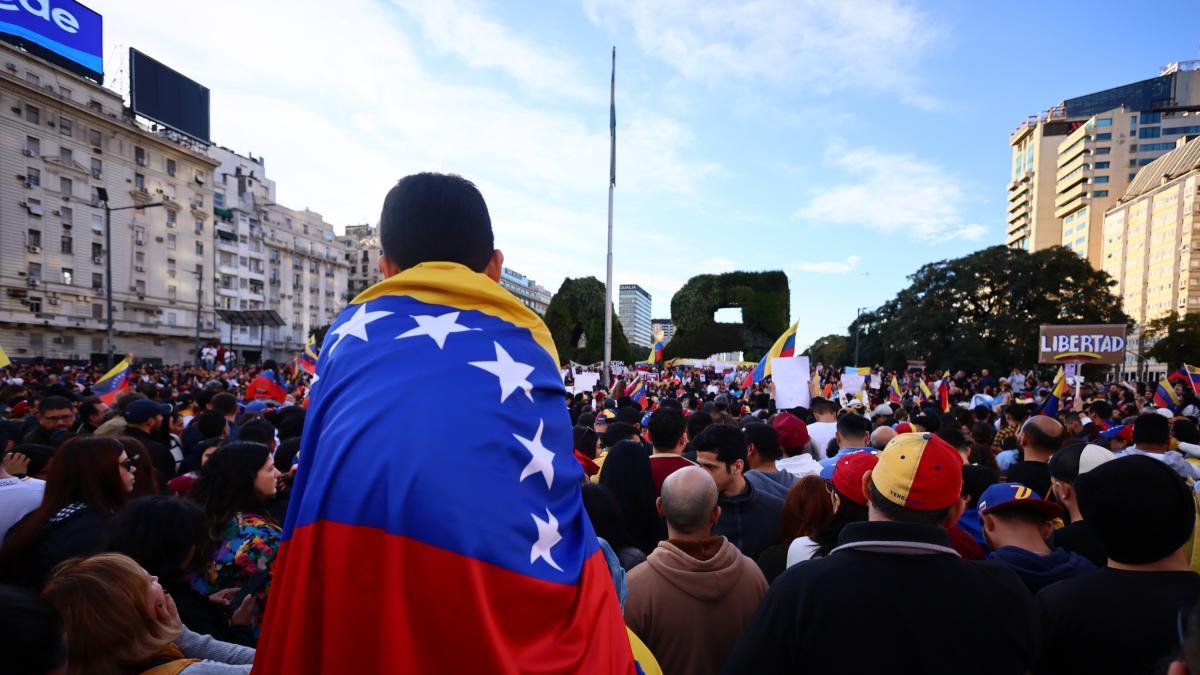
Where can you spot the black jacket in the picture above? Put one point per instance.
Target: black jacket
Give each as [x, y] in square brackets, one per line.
[75, 530]
[892, 598]
[164, 461]
[750, 521]
[204, 616]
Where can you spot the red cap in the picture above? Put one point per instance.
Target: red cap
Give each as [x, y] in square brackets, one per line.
[848, 473]
[904, 428]
[793, 432]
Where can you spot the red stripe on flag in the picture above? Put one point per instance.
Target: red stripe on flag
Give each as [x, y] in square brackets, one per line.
[350, 599]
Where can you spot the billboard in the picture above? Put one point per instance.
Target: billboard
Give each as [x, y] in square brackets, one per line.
[1082, 344]
[61, 31]
[163, 95]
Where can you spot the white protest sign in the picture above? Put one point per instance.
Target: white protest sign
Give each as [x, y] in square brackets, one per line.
[584, 382]
[852, 384]
[876, 381]
[791, 377]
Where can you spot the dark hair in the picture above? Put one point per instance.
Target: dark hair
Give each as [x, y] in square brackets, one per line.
[927, 422]
[904, 514]
[666, 427]
[954, 437]
[585, 441]
[33, 633]
[89, 407]
[203, 398]
[291, 422]
[617, 432]
[976, 479]
[286, 453]
[982, 432]
[1151, 428]
[226, 484]
[726, 441]
[160, 533]
[1017, 412]
[1185, 431]
[848, 511]
[627, 474]
[224, 403]
[765, 439]
[53, 403]
[855, 426]
[696, 424]
[605, 514]
[211, 424]
[823, 406]
[257, 431]
[39, 456]
[807, 510]
[981, 454]
[147, 477]
[430, 217]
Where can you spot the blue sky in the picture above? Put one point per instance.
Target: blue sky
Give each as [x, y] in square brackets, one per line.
[846, 143]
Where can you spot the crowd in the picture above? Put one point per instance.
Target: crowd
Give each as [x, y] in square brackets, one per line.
[1006, 526]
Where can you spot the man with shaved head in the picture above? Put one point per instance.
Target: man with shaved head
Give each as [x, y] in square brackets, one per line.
[881, 436]
[1040, 437]
[696, 592]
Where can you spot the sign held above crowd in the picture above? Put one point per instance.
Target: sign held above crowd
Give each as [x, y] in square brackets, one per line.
[1103, 343]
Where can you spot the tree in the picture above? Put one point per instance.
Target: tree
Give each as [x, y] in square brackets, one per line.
[763, 298]
[983, 310]
[831, 350]
[1176, 340]
[575, 318]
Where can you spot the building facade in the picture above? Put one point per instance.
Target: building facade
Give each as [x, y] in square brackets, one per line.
[1075, 160]
[62, 139]
[1152, 238]
[665, 326]
[633, 310]
[363, 250]
[527, 290]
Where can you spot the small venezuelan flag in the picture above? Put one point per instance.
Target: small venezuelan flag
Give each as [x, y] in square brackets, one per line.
[1166, 397]
[115, 382]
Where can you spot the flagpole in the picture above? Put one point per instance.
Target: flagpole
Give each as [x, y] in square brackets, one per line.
[612, 182]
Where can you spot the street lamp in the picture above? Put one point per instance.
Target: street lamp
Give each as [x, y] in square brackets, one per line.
[102, 194]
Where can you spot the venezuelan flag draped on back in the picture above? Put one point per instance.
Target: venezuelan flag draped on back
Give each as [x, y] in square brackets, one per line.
[784, 347]
[266, 386]
[114, 383]
[1057, 394]
[436, 523]
[1166, 397]
[637, 390]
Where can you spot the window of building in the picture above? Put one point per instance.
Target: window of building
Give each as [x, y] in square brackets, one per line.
[1106, 136]
[1133, 162]
[1151, 117]
[97, 280]
[171, 316]
[171, 293]
[97, 167]
[65, 186]
[33, 115]
[66, 93]
[1104, 122]
[1181, 130]
[97, 250]
[139, 235]
[1132, 176]
[1099, 179]
[140, 287]
[33, 146]
[33, 238]
[1100, 193]
[68, 276]
[219, 200]
[97, 310]
[67, 244]
[170, 264]
[139, 259]
[1149, 132]
[171, 241]
[199, 226]
[1103, 150]
[171, 216]
[170, 167]
[34, 207]
[1102, 165]
[97, 223]
[33, 177]
[1155, 147]
[68, 217]
[139, 155]
[94, 138]
[34, 270]
[32, 78]
[35, 339]
[65, 126]
[139, 181]
[199, 248]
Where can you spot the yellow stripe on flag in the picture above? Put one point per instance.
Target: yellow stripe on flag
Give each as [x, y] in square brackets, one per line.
[4, 362]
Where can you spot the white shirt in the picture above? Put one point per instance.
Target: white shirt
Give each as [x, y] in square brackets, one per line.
[801, 549]
[799, 466]
[17, 498]
[822, 433]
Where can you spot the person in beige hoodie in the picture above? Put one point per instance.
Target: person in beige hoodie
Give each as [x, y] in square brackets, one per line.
[696, 592]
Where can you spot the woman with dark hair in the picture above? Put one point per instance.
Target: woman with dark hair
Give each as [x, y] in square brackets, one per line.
[808, 509]
[147, 483]
[168, 537]
[849, 503]
[587, 444]
[90, 480]
[627, 475]
[605, 515]
[233, 489]
[983, 433]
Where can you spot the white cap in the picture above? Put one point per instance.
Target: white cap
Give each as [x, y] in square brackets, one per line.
[1093, 456]
[884, 410]
[1165, 412]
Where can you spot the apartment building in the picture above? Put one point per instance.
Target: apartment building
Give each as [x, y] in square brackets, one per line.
[1152, 238]
[633, 310]
[1072, 162]
[527, 290]
[62, 139]
[362, 255]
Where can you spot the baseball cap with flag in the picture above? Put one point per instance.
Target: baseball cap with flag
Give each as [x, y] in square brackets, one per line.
[921, 472]
[1014, 495]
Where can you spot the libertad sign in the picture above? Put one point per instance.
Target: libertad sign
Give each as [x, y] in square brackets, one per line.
[1082, 344]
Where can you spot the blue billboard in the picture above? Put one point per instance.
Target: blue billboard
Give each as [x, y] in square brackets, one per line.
[62, 31]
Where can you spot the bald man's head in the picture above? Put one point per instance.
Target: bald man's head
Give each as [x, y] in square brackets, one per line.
[881, 437]
[689, 496]
[1041, 434]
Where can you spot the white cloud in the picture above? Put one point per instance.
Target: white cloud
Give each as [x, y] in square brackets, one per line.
[829, 266]
[814, 45]
[716, 265]
[891, 192]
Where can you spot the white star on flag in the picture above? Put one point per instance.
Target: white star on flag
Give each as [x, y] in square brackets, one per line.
[548, 536]
[436, 327]
[512, 373]
[542, 459]
[356, 325]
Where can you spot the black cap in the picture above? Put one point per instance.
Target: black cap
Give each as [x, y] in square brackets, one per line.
[1139, 508]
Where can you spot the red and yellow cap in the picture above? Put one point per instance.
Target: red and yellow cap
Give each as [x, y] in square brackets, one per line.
[921, 472]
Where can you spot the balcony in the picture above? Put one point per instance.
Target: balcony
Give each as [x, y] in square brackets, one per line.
[1065, 170]
[1070, 202]
[1020, 212]
[1018, 188]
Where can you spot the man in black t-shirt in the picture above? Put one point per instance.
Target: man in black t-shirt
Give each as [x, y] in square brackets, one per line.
[1124, 618]
[1066, 466]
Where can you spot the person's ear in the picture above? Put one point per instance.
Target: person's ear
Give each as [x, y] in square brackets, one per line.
[495, 266]
[866, 483]
[1044, 530]
[956, 511]
[715, 517]
[658, 505]
[388, 268]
